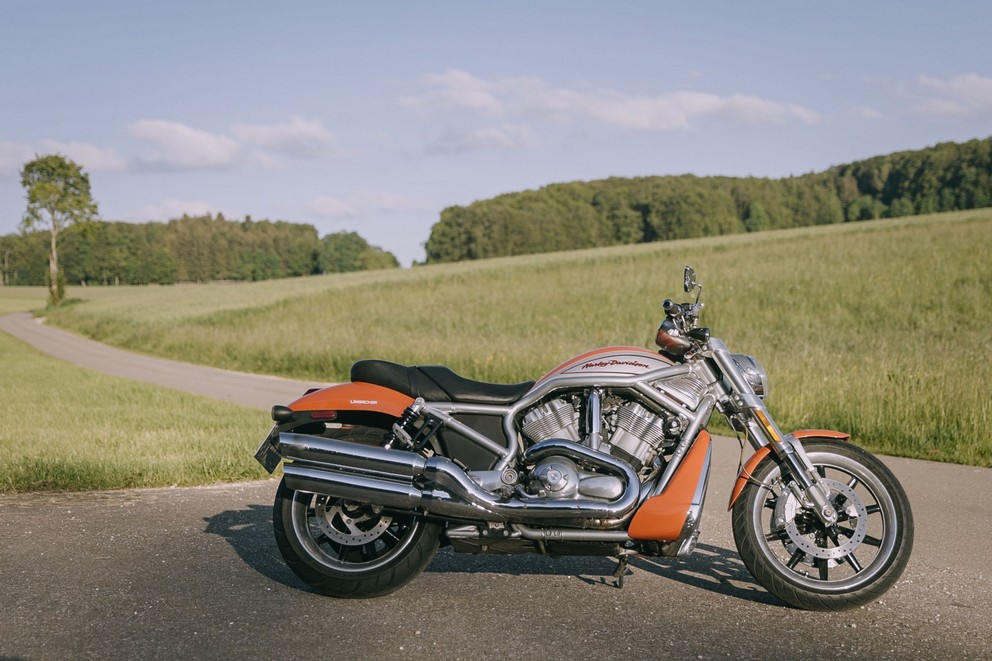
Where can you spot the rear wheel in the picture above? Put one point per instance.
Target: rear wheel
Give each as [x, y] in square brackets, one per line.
[807, 564]
[349, 549]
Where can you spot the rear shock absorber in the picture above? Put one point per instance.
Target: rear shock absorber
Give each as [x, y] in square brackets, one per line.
[403, 429]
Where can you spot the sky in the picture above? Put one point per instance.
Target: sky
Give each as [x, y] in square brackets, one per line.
[373, 117]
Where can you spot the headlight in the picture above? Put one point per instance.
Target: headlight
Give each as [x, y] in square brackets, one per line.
[754, 373]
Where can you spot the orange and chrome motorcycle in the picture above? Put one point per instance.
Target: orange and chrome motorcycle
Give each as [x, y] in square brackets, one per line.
[607, 454]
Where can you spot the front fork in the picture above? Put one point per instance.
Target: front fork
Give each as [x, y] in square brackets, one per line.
[763, 432]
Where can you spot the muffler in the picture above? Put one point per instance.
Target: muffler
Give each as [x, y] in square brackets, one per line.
[407, 481]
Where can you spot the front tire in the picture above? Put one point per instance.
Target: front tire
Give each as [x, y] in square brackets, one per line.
[811, 566]
[348, 549]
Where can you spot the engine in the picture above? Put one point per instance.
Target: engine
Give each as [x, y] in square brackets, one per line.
[628, 431]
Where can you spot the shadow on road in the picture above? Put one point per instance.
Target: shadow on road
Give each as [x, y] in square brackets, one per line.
[710, 568]
[249, 532]
[718, 570]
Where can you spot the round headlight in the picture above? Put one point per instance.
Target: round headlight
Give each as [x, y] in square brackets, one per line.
[754, 373]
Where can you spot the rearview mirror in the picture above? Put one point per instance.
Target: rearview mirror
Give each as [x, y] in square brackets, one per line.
[689, 279]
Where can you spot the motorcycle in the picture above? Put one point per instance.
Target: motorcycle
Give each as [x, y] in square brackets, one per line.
[607, 454]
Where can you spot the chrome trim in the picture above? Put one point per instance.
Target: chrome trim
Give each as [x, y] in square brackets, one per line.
[594, 419]
[639, 383]
[456, 425]
[544, 534]
[706, 406]
[354, 487]
[571, 535]
[367, 458]
[386, 477]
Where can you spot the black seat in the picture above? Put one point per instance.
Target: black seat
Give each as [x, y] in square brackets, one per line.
[435, 383]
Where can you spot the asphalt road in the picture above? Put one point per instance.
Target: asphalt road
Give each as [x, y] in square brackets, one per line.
[194, 573]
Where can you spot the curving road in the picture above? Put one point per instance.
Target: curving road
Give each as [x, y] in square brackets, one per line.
[194, 573]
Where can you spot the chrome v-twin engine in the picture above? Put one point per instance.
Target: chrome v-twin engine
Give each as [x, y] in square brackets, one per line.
[622, 428]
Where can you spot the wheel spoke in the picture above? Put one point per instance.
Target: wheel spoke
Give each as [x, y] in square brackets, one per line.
[821, 471]
[855, 565]
[821, 564]
[795, 559]
[871, 541]
[873, 509]
[853, 483]
[340, 550]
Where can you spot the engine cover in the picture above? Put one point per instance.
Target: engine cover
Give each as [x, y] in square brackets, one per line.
[555, 477]
[559, 478]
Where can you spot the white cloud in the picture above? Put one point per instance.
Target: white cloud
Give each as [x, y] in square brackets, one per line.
[91, 157]
[865, 112]
[332, 207]
[365, 204]
[298, 137]
[175, 208]
[965, 96]
[455, 89]
[13, 156]
[535, 100]
[500, 137]
[177, 146]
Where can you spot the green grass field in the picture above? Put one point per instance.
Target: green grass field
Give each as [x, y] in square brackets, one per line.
[879, 328]
[70, 429]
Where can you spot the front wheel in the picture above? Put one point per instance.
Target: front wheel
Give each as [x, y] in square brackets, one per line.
[816, 567]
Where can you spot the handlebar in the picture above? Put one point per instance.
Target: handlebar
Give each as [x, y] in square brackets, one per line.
[673, 309]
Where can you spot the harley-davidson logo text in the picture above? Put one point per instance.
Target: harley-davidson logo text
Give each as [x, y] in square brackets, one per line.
[614, 363]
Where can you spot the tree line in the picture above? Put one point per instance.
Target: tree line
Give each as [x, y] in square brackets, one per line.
[946, 177]
[187, 249]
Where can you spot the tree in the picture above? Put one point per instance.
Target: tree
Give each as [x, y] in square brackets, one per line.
[58, 193]
[347, 251]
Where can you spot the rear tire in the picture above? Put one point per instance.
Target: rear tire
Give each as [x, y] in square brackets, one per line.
[348, 549]
[814, 567]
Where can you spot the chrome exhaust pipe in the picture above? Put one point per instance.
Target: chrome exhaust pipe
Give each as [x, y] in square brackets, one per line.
[379, 491]
[343, 454]
[385, 477]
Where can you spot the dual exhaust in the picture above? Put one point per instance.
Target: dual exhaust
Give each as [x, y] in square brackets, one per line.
[406, 481]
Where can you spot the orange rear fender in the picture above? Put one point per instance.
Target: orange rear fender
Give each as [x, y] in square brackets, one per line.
[355, 396]
[751, 464]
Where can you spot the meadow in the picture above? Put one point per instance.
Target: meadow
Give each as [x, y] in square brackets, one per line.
[877, 328]
[65, 428]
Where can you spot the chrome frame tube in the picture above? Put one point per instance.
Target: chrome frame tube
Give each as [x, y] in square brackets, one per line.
[594, 419]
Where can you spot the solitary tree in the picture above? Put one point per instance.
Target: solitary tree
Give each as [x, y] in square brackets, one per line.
[58, 194]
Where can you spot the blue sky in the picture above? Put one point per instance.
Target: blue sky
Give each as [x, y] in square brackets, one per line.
[375, 116]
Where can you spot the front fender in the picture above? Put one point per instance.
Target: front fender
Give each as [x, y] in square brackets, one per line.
[756, 458]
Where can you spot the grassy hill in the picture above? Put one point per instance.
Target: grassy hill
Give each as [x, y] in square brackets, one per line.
[879, 328]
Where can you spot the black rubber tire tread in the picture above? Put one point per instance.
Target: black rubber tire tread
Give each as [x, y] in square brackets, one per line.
[354, 585]
[760, 566]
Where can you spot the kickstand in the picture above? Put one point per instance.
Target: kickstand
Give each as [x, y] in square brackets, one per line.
[621, 571]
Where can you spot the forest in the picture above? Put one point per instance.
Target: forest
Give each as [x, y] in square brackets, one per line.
[187, 249]
[947, 177]
[566, 216]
